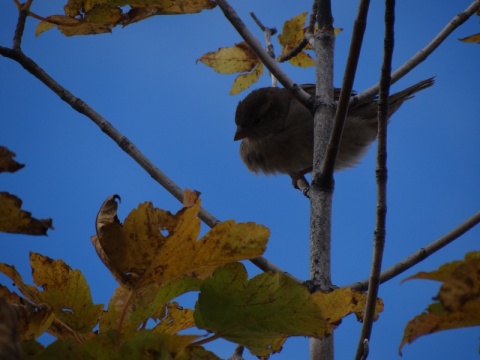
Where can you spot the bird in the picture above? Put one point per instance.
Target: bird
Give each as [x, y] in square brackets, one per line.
[276, 130]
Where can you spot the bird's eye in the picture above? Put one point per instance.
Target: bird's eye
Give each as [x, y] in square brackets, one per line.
[257, 120]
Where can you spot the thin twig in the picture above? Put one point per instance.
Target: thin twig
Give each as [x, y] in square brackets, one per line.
[205, 341]
[295, 51]
[381, 176]
[422, 253]
[313, 18]
[257, 48]
[122, 141]
[22, 16]
[267, 32]
[420, 56]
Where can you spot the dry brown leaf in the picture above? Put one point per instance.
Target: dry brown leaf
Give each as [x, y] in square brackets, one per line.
[9, 335]
[7, 163]
[141, 10]
[33, 320]
[459, 299]
[17, 221]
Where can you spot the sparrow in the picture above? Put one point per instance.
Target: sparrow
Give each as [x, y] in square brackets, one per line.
[276, 130]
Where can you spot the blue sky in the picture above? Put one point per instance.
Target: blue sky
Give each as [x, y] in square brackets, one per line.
[145, 81]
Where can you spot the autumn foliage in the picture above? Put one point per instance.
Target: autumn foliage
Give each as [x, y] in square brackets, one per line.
[156, 255]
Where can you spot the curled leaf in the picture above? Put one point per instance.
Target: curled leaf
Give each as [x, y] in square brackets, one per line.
[154, 246]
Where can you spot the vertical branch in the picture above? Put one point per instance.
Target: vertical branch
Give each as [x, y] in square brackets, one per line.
[321, 192]
[381, 176]
[347, 86]
[326, 145]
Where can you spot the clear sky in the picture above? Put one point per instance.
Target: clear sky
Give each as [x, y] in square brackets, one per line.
[145, 81]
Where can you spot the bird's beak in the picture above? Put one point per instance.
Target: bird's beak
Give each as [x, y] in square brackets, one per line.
[240, 133]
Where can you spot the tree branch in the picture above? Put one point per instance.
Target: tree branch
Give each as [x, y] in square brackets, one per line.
[381, 176]
[295, 51]
[122, 141]
[22, 17]
[257, 48]
[347, 85]
[321, 189]
[420, 56]
[422, 253]
[267, 32]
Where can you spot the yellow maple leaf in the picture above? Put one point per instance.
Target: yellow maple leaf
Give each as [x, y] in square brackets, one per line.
[342, 302]
[65, 293]
[177, 319]
[292, 32]
[231, 60]
[155, 247]
[244, 81]
[142, 304]
[87, 17]
[292, 35]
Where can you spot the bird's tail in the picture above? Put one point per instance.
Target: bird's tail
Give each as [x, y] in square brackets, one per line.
[397, 99]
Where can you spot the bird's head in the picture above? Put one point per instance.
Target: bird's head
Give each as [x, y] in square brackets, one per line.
[262, 113]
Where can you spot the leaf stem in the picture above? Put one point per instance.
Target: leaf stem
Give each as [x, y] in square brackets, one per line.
[205, 341]
[118, 337]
